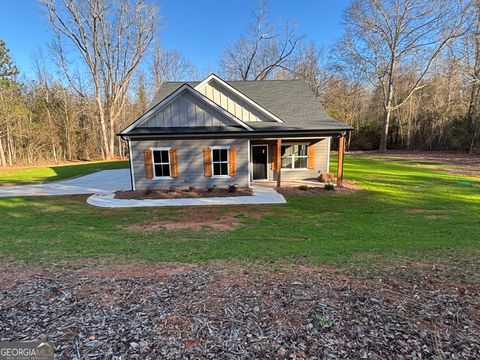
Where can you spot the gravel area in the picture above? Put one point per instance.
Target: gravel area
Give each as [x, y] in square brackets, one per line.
[214, 311]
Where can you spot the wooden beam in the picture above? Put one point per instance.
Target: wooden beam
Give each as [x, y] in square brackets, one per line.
[279, 162]
[341, 154]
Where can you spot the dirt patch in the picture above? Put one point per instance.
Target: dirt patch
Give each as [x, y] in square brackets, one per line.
[348, 187]
[203, 218]
[175, 193]
[224, 223]
[464, 164]
[11, 274]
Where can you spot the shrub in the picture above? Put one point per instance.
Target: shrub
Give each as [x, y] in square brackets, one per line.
[210, 189]
[303, 187]
[191, 188]
[329, 187]
[232, 188]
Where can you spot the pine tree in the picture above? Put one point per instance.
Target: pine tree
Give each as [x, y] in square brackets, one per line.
[8, 70]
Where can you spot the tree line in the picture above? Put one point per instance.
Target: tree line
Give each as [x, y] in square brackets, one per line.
[405, 75]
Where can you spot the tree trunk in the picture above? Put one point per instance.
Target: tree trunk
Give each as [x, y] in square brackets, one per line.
[51, 131]
[3, 161]
[386, 125]
[111, 154]
[9, 147]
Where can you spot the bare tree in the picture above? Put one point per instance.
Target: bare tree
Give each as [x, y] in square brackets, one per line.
[170, 65]
[111, 38]
[381, 35]
[470, 64]
[311, 66]
[262, 51]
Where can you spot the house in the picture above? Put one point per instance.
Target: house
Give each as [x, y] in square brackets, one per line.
[217, 132]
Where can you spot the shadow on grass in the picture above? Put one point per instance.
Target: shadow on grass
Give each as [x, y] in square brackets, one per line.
[41, 174]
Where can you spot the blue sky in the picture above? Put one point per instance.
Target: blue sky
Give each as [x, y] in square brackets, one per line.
[200, 29]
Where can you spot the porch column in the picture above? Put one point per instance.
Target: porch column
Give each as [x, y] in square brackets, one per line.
[341, 151]
[279, 161]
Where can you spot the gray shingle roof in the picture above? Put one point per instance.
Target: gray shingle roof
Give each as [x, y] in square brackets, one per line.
[290, 100]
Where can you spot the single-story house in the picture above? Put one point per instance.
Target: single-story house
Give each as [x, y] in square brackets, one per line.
[217, 132]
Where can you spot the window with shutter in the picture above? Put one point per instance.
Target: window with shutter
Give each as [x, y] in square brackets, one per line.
[161, 163]
[220, 160]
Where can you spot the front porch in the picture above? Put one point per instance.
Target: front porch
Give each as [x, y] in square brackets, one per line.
[293, 161]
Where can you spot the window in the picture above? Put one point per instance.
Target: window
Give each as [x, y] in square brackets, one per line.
[294, 156]
[161, 162]
[220, 161]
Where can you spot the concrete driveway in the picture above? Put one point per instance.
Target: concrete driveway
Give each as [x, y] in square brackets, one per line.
[106, 181]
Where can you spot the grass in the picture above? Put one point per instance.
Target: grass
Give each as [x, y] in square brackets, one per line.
[403, 212]
[40, 174]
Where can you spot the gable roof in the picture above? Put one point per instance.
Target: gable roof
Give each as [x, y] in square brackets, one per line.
[292, 101]
[229, 87]
[171, 97]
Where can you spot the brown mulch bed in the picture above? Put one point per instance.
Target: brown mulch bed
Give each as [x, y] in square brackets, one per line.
[215, 311]
[347, 188]
[182, 193]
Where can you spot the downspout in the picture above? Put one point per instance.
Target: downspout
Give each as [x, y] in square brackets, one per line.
[130, 162]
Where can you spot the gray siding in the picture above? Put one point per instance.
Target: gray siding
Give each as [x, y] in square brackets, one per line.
[321, 161]
[190, 163]
[187, 111]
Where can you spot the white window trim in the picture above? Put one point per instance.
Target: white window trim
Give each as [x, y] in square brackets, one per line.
[294, 156]
[155, 177]
[227, 147]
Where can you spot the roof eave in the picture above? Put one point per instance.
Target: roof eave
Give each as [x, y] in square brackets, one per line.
[241, 134]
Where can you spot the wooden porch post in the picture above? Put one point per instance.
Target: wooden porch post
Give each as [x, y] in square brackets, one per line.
[279, 161]
[341, 150]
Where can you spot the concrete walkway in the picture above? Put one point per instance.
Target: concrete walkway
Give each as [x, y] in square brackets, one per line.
[106, 181]
[260, 196]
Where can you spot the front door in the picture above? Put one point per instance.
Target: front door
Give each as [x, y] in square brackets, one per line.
[259, 162]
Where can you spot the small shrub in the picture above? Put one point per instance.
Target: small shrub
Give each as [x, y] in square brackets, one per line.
[323, 321]
[329, 187]
[191, 188]
[149, 191]
[232, 188]
[210, 189]
[303, 187]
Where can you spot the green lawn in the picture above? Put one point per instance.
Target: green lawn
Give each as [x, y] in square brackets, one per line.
[403, 212]
[41, 174]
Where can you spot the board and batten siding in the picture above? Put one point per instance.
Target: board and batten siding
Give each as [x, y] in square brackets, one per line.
[233, 103]
[190, 163]
[187, 111]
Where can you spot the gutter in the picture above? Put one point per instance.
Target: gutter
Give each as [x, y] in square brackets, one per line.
[239, 135]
